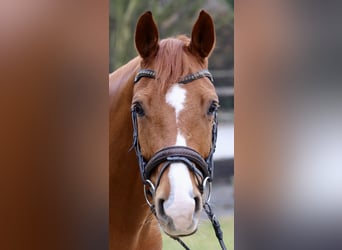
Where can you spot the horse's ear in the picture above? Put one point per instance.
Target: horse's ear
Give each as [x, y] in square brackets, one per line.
[203, 35]
[146, 35]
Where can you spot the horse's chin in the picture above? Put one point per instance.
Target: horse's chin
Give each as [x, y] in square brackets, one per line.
[176, 230]
[181, 235]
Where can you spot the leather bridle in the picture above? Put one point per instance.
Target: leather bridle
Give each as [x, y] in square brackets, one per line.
[202, 168]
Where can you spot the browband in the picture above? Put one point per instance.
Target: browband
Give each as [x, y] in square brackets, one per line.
[145, 73]
[200, 74]
[149, 73]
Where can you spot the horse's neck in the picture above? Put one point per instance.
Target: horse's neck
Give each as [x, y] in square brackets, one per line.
[128, 209]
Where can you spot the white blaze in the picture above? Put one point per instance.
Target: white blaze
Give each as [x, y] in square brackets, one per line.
[180, 204]
[176, 98]
[180, 141]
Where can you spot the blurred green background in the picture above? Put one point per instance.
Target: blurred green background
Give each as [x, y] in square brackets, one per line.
[204, 238]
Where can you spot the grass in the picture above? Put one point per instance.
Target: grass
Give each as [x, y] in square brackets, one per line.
[205, 238]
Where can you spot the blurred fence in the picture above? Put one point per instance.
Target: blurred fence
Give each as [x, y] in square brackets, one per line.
[224, 85]
[224, 156]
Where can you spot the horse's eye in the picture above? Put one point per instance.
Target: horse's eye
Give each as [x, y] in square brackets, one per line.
[213, 107]
[138, 109]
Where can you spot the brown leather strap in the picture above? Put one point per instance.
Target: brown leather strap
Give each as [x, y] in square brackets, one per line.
[150, 73]
[177, 151]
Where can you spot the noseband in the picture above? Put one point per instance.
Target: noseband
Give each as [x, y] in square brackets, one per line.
[202, 168]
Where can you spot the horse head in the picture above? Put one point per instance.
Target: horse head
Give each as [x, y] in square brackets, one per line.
[174, 108]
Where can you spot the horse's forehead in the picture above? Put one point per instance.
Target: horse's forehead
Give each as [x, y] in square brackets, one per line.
[156, 92]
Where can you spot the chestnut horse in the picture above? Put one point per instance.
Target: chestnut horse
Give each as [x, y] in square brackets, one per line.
[165, 97]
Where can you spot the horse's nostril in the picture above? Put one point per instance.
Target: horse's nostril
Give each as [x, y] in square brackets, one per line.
[160, 207]
[197, 204]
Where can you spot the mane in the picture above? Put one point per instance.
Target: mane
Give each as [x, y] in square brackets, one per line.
[172, 61]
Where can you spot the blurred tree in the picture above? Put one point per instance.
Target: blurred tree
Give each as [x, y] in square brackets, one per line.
[231, 3]
[121, 14]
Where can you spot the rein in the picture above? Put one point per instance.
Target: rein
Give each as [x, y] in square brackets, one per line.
[203, 169]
